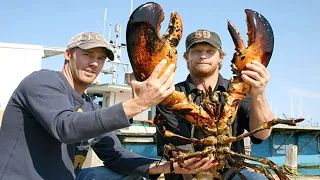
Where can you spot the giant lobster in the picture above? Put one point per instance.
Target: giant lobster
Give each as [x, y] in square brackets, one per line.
[146, 48]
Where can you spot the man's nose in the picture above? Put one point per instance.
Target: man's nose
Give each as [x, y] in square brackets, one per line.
[203, 55]
[94, 62]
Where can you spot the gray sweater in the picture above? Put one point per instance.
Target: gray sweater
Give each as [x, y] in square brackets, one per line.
[41, 131]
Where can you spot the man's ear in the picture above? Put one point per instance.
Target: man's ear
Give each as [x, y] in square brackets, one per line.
[185, 56]
[67, 55]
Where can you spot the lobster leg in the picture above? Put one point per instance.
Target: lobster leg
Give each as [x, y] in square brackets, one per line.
[261, 169]
[265, 125]
[256, 167]
[265, 161]
[184, 154]
[211, 140]
[171, 148]
[242, 177]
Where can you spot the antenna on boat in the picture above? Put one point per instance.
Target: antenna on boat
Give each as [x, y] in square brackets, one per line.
[116, 47]
[291, 115]
[109, 37]
[300, 106]
[131, 7]
[104, 21]
[117, 54]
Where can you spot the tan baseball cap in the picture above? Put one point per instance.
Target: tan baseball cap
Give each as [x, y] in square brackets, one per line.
[89, 40]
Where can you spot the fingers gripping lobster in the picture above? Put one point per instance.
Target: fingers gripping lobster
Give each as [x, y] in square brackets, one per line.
[146, 48]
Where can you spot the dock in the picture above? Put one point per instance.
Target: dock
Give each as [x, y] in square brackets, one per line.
[306, 139]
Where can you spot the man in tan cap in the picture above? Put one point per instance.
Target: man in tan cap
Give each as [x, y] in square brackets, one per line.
[50, 123]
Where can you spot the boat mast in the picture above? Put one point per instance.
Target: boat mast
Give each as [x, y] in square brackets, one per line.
[116, 47]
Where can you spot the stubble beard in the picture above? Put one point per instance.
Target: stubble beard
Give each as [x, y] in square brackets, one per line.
[198, 72]
[85, 80]
[82, 80]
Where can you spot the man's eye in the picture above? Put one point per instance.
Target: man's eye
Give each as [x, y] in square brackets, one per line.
[212, 51]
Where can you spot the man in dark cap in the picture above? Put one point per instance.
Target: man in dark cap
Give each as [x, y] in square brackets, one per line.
[204, 57]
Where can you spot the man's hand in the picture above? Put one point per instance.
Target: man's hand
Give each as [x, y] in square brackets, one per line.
[257, 76]
[195, 165]
[151, 91]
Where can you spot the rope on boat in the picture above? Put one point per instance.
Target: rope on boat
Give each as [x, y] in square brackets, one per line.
[289, 170]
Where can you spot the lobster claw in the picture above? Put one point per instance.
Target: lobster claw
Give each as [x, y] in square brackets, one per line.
[145, 46]
[260, 41]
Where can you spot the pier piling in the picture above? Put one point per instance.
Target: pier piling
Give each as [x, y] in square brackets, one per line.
[291, 159]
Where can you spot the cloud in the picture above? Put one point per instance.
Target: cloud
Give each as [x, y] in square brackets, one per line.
[304, 93]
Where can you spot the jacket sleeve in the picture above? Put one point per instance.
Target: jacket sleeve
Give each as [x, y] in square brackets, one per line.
[109, 149]
[44, 95]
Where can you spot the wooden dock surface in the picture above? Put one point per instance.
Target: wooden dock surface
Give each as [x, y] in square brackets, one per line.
[304, 177]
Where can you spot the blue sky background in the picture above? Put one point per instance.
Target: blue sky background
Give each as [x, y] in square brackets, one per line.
[294, 65]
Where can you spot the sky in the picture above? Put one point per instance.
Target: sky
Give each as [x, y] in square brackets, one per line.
[293, 67]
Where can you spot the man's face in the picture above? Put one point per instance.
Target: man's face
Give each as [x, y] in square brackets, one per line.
[203, 59]
[85, 65]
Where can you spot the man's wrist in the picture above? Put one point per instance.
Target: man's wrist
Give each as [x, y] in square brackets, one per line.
[159, 168]
[258, 97]
[132, 108]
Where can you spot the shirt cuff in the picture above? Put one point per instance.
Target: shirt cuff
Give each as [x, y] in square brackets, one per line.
[113, 118]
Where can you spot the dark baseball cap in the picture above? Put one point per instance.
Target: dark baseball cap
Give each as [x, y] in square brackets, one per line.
[203, 36]
[89, 40]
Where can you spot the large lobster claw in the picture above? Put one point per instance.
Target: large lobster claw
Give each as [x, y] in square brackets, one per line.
[145, 46]
[260, 41]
